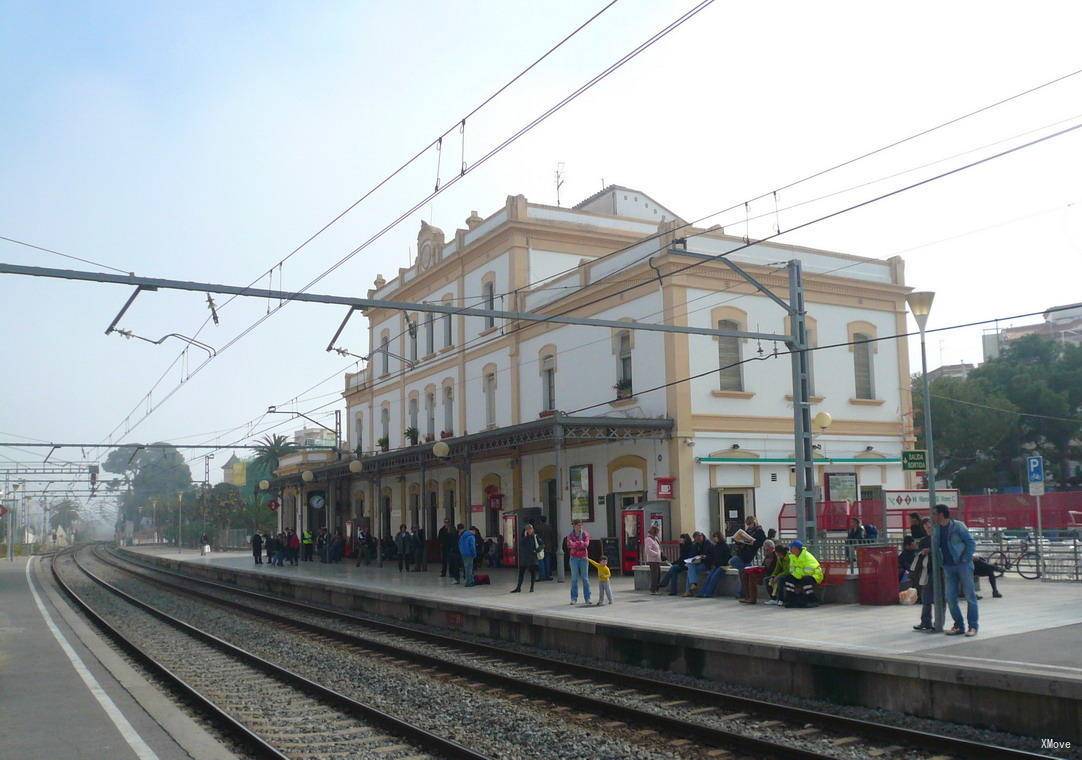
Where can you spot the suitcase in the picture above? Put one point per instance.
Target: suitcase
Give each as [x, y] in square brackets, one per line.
[481, 579]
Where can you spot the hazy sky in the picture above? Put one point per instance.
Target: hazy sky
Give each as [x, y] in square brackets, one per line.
[206, 141]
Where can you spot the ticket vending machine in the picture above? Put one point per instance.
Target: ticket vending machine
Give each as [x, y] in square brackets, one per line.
[635, 521]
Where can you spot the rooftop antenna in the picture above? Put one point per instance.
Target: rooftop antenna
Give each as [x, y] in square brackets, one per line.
[560, 177]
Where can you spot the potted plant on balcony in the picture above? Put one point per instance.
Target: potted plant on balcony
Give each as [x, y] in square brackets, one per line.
[623, 387]
[413, 434]
[547, 413]
[384, 443]
[429, 437]
[359, 451]
[446, 434]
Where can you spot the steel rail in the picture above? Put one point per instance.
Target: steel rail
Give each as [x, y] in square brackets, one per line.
[937, 743]
[217, 713]
[714, 737]
[397, 726]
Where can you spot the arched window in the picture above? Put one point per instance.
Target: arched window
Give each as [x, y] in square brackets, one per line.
[430, 338]
[488, 295]
[385, 423]
[385, 356]
[730, 376]
[863, 366]
[413, 412]
[413, 339]
[490, 398]
[448, 409]
[548, 383]
[430, 414]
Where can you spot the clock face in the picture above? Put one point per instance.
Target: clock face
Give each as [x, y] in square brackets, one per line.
[315, 501]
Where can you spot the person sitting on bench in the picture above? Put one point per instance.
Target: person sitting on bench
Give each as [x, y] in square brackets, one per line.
[804, 575]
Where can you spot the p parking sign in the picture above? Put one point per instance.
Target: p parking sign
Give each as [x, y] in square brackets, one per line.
[1035, 475]
[917, 459]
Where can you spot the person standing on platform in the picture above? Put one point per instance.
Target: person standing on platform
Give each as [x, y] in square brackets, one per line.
[403, 547]
[467, 548]
[653, 557]
[578, 545]
[955, 548]
[529, 547]
[323, 542]
[268, 546]
[454, 556]
[279, 549]
[257, 547]
[361, 547]
[447, 540]
[306, 545]
[204, 545]
[294, 547]
[920, 576]
[548, 540]
[604, 576]
[916, 525]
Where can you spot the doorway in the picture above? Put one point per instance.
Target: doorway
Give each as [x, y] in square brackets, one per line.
[729, 507]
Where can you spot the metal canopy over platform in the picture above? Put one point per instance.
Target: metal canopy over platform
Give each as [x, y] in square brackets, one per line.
[527, 437]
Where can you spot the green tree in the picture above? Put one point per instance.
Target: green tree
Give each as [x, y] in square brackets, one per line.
[63, 514]
[153, 474]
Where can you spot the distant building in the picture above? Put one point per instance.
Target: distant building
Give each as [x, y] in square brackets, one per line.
[234, 471]
[1063, 325]
[950, 370]
[314, 436]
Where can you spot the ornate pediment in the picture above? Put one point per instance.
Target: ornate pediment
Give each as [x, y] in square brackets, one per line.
[429, 246]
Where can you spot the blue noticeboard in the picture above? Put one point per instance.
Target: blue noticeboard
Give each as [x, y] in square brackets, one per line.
[1035, 469]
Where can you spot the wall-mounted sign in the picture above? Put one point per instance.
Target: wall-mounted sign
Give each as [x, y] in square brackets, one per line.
[582, 492]
[272, 505]
[916, 459]
[664, 487]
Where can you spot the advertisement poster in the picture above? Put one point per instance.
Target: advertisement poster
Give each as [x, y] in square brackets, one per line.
[842, 486]
[582, 498]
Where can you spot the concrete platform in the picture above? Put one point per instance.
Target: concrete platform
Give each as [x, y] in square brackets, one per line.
[1022, 673]
[56, 697]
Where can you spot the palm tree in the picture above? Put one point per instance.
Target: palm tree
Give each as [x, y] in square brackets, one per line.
[64, 514]
[270, 449]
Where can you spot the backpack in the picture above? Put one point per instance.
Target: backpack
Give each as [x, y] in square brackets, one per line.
[871, 532]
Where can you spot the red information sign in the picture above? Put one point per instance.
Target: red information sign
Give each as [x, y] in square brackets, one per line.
[272, 505]
[665, 487]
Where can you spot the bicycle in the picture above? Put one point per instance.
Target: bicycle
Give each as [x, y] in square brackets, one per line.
[1024, 562]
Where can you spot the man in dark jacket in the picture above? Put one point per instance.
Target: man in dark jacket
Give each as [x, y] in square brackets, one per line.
[257, 548]
[448, 539]
[748, 540]
[687, 551]
[528, 547]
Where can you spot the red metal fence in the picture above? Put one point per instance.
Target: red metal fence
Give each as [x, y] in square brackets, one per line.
[1059, 511]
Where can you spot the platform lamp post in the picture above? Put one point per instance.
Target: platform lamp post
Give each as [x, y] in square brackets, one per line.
[920, 304]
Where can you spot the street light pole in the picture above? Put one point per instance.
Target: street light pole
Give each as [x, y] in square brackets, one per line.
[180, 505]
[920, 303]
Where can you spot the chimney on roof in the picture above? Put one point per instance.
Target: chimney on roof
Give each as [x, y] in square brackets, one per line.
[473, 220]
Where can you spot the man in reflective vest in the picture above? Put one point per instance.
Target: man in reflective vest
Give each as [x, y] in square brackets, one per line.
[306, 544]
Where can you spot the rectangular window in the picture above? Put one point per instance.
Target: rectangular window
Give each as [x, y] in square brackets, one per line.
[624, 368]
[448, 409]
[489, 293]
[730, 376]
[490, 399]
[862, 366]
[448, 336]
[430, 414]
[385, 359]
[413, 413]
[548, 384]
[430, 338]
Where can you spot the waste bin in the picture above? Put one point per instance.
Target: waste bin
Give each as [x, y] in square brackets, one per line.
[878, 580]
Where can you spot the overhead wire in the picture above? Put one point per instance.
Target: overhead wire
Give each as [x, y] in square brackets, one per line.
[653, 39]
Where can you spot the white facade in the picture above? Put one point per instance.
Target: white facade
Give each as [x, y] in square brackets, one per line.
[732, 433]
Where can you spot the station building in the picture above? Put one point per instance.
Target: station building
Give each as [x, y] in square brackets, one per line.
[584, 421]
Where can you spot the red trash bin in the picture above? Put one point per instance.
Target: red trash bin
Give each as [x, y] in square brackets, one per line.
[878, 581]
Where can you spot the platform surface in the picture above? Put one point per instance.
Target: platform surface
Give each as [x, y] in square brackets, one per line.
[1035, 629]
[46, 708]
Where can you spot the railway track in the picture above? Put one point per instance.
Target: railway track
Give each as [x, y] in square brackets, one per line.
[273, 711]
[649, 705]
